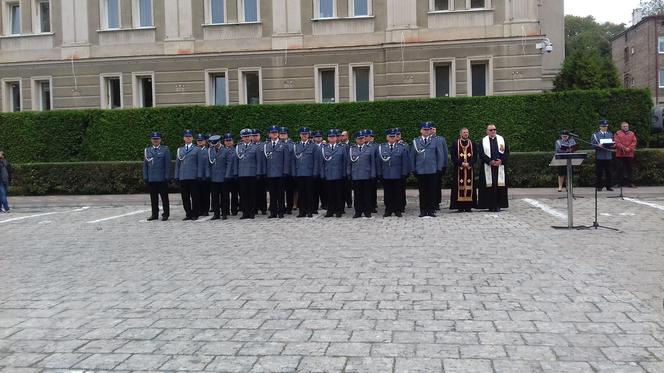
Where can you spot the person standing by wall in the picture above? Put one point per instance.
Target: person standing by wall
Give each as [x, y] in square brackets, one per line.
[5, 180]
[625, 149]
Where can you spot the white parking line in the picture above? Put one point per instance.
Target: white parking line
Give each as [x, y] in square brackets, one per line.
[545, 208]
[43, 214]
[644, 203]
[117, 216]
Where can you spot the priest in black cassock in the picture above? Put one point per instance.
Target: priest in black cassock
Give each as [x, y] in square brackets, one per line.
[463, 197]
[493, 152]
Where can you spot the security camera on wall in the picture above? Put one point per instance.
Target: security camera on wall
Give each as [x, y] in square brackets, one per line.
[545, 46]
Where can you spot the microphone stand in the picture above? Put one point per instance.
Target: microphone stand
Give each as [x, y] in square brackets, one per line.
[596, 224]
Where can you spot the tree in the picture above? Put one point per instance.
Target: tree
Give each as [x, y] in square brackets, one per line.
[588, 48]
[652, 7]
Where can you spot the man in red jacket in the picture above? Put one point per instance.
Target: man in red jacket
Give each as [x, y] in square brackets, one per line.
[625, 141]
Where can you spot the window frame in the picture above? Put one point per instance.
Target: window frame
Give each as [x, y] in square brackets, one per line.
[351, 9]
[103, 87]
[433, 63]
[660, 44]
[8, 18]
[208, 13]
[103, 10]
[432, 6]
[36, 83]
[136, 14]
[210, 98]
[318, 84]
[7, 100]
[487, 5]
[661, 77]
[243, 84]
[352, 94]
[36, 17]
[489, 74]
[136, 88]
[242, 16]
[317, 14]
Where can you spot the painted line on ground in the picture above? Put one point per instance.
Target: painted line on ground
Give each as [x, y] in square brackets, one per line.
[549, 210]
[43, 214]
[117, 216]
[644, 203]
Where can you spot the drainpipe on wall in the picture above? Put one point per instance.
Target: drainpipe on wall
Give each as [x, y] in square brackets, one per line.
[657, 19]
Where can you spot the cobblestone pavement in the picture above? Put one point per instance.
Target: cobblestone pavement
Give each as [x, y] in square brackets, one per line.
[95, 289]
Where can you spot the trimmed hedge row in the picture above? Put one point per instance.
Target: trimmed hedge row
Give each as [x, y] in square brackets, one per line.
[524, 170]
[529, 122]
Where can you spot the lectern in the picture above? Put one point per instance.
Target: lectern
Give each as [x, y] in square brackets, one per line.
[569, 160]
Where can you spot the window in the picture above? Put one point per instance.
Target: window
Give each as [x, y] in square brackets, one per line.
[250, 10]
[250, 87]
[360, 8]
[143, 13]
[216, 87]
[626, 54]
[326, 83]
[143, 89]
[14, 18]
[11, 95]
[361, 83]
[42, 97]
[326, 8]
[440, 5]
[478, 79]
[42, 16]
[111, 91]
[661, 44]
[442, 78]
[476, 4]
[661, 78]
[111, 14]
[217, 11]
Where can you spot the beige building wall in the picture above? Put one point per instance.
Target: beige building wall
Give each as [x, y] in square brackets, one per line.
[401, 40]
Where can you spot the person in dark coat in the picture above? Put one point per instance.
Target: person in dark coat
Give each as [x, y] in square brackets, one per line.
[5, 180]
[493, 153]
[464, 154]
[156, 174]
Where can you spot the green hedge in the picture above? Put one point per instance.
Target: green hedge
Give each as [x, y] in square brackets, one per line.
[524, 170]
[529, 122]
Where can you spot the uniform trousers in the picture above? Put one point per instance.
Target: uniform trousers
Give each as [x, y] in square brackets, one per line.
[220, 200]
[247, 189]
[276, 187]
[260, 195]
[234, 198]
[289, 189]
[393, 190]
[603, 172]
[363, 196]
[189, 193]
[334, 192]
[156, 190]
[426, 184]
[348, 193]
[321, 193]
[204, 197]
[626, 173]
[306, 200]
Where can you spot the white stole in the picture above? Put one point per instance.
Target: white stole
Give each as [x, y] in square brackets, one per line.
[487, 167]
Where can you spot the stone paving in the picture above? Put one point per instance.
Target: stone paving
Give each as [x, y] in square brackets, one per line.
[473, 292]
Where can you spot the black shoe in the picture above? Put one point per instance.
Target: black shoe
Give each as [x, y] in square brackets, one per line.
[423, 214]
[272, 216]
[338, 215]
[151, 218]
[431, 213]
[329, 215]
[323, 207]
[263, 212]
[398, 214]
[387, 214]
[281, 216]
[310, 216]
[224, 217]
[367, 215]
[468, 210]
[215, 217]
[609, 189]
[164, 218]
[357, 215]
[243, 217]
[289, 212]
[187, 218]
[301, 215]
[205, 214]
[194, 218]
[599, 189]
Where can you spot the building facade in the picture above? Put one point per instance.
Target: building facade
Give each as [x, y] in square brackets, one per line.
[638, 53]
[62, 54]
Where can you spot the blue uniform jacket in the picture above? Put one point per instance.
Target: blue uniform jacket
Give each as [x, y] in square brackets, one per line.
[601, 153]
[247, 160]
[203, 164]
[333, 162]
[276, 161]
[361, 163]
[156, 164]
[393, 163]
[426, 157]
[305, 159]
[442, 144]
[186, 164]
[220, 162]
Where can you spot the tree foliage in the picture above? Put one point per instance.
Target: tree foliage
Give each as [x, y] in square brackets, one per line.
[652, 7]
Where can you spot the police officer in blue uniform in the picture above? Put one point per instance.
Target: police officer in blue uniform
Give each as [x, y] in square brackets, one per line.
[306, 160]
[442, 143]
[220, 163]
[231, 180]
[204, 181]
[276, 161]
[362, 171]
[602, 142]
[348, 185]
[261, 185]
[404, 180]
[156, 173]
[289, 180]
[334, 172]
[319, 182]
[187, 174]
[426, 160]
[394, 167]
[247, 167]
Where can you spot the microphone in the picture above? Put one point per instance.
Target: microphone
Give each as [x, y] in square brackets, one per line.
[574, 134]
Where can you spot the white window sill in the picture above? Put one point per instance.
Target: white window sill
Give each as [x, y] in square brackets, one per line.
[341, 18]
[230, 24]
[11, 36]
[461, 11]
[128, 29]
